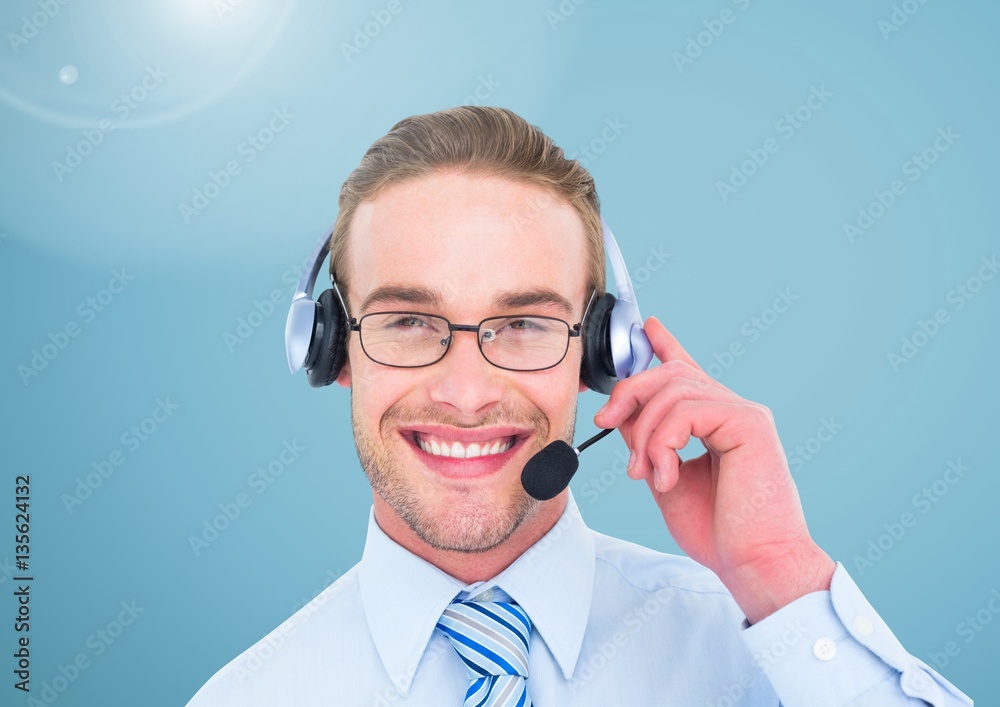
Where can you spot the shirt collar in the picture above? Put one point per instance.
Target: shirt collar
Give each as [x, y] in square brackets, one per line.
[404, 596]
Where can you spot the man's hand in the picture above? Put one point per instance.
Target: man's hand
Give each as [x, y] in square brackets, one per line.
[735, 508]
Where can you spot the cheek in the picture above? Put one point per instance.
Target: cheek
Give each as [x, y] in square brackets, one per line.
[367, 377]
[556, 395]
[372, 391]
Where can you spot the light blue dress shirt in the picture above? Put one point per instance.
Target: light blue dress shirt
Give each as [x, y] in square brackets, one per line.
[614, 623]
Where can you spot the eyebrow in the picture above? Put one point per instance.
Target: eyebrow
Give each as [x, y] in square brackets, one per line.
[431, 297]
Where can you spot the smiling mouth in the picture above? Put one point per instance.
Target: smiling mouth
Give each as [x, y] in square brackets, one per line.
[439, 447]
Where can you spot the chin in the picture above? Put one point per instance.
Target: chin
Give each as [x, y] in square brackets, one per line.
[469, 521]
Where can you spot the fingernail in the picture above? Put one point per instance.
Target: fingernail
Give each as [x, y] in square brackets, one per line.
[658, 480]
[604, 409]
[631, 462]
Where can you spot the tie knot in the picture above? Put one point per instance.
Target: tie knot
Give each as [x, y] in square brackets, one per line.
[491, 637]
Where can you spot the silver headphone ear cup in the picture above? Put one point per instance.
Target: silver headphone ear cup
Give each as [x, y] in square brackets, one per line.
[597, 369]
[328, 349]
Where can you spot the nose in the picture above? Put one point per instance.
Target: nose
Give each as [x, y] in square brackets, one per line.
[464, 380]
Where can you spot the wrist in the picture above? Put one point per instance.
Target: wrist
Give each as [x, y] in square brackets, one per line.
[763, 587]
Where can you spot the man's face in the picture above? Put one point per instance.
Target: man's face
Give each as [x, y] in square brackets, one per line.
[456, 246]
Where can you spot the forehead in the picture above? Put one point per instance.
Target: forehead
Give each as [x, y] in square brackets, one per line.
[472, 240]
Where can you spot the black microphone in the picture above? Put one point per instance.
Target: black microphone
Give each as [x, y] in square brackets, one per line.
[547, 473]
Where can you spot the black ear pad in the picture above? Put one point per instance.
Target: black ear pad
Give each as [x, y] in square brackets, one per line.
[597, 368]
[328, 348]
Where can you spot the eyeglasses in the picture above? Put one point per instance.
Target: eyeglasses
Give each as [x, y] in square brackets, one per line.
[515, 342]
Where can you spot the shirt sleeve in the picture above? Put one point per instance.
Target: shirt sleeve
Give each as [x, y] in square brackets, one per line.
[831, 648]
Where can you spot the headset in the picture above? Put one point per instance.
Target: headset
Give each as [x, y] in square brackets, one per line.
[614, 343]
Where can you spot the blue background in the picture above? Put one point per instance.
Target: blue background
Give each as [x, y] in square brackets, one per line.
[682, 126]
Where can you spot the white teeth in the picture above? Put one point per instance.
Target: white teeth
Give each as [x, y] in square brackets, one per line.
[459, 451]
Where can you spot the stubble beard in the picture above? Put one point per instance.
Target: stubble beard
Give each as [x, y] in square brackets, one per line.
[468, 523]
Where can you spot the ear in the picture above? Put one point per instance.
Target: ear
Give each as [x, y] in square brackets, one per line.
[344, 377]
[583, 387]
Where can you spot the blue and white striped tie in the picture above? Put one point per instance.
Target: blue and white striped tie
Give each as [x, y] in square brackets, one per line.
[491, 638]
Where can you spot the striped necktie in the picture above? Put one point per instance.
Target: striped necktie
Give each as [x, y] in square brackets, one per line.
[491, 638]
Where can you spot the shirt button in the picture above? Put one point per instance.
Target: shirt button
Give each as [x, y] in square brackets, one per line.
[824, 649]
[915, 679]
[863, 626]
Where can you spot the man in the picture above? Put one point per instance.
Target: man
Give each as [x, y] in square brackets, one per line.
[470, 591]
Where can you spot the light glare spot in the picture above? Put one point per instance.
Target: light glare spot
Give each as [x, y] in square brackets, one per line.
[68, 74]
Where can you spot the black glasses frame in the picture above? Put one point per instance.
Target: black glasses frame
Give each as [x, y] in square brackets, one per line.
[572, 330]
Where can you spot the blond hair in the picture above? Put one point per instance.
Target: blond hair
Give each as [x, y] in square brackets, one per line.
[475, 140]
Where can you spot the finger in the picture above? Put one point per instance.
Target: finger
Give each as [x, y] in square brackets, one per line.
[665, 345]
[653, 414]
[633, 393]
[723, 426]
[691, 495]
[669, 468]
